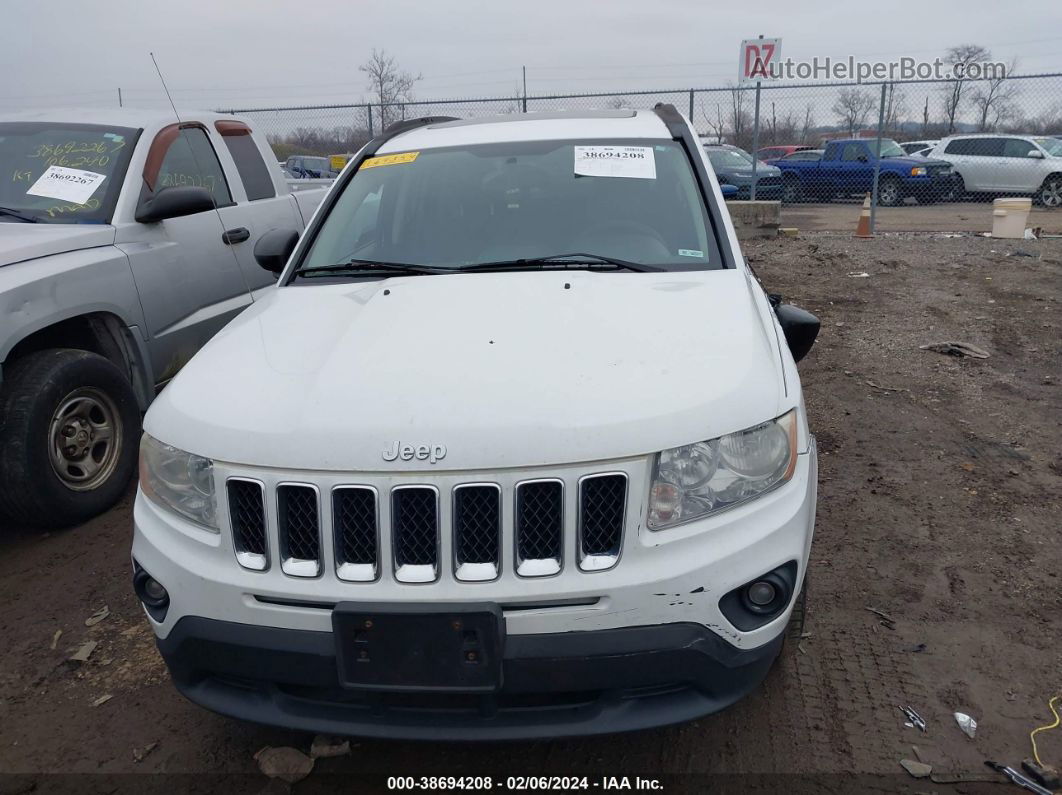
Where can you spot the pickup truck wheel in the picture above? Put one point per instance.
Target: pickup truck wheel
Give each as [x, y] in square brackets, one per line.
[890, 192]
[69, 426]
[1050, 193]
[792, 191]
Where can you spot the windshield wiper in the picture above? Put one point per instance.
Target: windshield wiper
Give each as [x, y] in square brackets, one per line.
[29, 219]
[358, 265]
[561, 262]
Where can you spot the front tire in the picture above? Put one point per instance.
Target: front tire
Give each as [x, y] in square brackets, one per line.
[1050, 193]
[69, 429]
[792, 191]
[890, 192]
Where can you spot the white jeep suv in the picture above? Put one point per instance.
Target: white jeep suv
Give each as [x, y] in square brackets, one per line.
[516, 448]
[995, 163]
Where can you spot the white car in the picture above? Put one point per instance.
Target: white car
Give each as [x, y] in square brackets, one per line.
[517, 448]
[997, 163]
[918, 148]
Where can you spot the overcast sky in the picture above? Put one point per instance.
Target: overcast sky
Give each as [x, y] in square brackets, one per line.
[249, 53]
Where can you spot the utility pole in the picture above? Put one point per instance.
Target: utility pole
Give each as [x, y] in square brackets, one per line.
[877, 161]
[119, 96]
[525, 88]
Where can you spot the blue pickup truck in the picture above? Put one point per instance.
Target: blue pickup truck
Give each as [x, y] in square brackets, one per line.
[847, 167]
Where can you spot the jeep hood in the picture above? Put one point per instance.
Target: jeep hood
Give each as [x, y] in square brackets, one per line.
[505, 370]
[20, 241]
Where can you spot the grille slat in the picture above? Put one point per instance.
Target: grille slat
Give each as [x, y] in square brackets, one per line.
[300, 532]
[539, 527]
[602, 504]
[415, 532]
[247, 515]
[356, 532]
[477, 531]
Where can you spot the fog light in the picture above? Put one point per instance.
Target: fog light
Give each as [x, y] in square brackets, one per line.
[154, 591]
[761, 593]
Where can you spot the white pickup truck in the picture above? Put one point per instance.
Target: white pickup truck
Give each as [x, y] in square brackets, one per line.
[126, 241]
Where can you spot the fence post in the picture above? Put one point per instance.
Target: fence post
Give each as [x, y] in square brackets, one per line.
[877, 159]
[755, 142]
[691, 109]
[371, 133]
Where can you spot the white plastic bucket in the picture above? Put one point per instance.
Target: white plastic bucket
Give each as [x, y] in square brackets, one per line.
[1009, 217]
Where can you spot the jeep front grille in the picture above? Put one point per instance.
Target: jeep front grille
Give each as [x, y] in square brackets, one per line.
[415, 533]
[379, 529]
[300, 530]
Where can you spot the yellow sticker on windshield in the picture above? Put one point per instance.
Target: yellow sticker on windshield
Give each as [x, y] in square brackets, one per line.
[389, 160]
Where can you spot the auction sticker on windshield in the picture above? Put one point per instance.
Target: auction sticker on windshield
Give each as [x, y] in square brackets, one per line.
[615, 161]
[389, 160]
[67, 184]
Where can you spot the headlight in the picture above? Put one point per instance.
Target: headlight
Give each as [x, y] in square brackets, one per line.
[696, 480]
[179, 481]
[918, 171]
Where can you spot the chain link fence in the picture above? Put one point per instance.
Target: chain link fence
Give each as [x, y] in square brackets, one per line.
[943, 144]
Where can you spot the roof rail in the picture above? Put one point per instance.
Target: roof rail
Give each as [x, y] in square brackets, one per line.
[671, 118]
[400, 127]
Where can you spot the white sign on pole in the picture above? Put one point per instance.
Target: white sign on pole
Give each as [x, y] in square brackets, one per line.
[757, 56]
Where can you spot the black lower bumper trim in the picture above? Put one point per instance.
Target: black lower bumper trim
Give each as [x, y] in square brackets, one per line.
[556, 685]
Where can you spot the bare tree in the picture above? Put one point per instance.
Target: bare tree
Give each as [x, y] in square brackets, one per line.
[895, 107]
[853, 107]
[717, 126]
[955, 92]
[993, 99]
[389, 86]
[740, 120]
[805, 127]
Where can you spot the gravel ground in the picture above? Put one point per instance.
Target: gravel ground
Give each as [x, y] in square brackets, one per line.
[941, 482]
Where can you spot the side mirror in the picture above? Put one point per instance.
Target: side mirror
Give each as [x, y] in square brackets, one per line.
[174, 202]
[863, 159]
[728, 190]
[800, 329]
[273, 249]
[1035, 153]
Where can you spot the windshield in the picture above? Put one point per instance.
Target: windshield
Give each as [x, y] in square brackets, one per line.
[462, 206]
[1053, 146]
[63, 173]
[889, 148]
[729, 158]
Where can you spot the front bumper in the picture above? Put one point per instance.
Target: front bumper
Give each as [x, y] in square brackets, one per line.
[556, 685]
[642, 644]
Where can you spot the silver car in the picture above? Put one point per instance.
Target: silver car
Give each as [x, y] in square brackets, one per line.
[1030, 165]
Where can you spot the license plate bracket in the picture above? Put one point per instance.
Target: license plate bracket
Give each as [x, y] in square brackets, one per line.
[438, 647]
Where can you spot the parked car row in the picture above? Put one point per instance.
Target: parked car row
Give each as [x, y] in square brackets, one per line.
[928, 171]
[126, 242]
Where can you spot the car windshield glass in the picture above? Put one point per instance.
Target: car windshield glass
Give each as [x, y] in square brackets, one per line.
[729, 158]
[889, 148]
[455, 207]
[63, 173]
[1053, 146]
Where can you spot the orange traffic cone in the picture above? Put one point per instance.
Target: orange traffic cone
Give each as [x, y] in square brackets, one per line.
[863, 229]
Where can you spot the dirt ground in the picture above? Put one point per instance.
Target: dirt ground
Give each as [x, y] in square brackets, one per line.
[940, 490]
[942, 217]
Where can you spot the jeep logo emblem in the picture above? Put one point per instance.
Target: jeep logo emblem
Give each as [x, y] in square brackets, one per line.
[422, 452]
